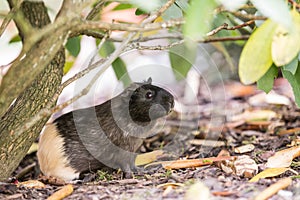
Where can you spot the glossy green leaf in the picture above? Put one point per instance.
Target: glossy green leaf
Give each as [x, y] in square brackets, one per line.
[123, 7]
[16, 38]
[294, 80]
[256, 59]
[182, 57]
[266, 82]
[118, 65]
[276, 10]
[198, 19]
[73, 46]
[292, 66]
[286, 42]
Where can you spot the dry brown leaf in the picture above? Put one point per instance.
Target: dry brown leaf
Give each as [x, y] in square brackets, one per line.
[271, 172]
[178, 164]
[244, 149]
[143, 159]
[242, 166]
[289, 131]
[174, 185]
[223, 193]
[283, 158]
[274, 188]
[62, 193]
[238, 90]
[32, 184]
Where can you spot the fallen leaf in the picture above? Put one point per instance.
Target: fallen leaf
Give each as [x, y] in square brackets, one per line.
[224, 193]
[255, 115]
[33, 148]
[283, 158]
[212, 143]
[62, 193]
[244, 149]
[244, 166]
[270, 98]
[32, 184]
[197, 191]
[143, 159]
[235, 90]
[274, 188]
[271, 172]
[174, 185]
[289, 131]
[178, 164]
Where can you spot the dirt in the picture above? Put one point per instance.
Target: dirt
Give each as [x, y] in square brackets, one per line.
[153, 184]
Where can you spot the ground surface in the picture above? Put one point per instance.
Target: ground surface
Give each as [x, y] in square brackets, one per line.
[179, 136]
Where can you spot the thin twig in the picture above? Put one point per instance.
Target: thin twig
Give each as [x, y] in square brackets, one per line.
[223, 39]
[95, 10]
[225, 27]
[242, 15]
[206, 40]
[9, 17]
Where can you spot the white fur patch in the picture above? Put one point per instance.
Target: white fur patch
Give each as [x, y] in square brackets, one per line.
[51, 157]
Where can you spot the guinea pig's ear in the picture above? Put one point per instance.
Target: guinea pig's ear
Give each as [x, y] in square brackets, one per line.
[149, 81]
[128, 91]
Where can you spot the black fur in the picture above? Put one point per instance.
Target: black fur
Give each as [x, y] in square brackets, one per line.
[108, 134]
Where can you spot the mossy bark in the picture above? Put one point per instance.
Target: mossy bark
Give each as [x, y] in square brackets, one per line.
[35, 97]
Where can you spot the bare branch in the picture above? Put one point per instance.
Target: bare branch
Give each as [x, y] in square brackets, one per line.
[95, 10]
[99, 25]
[225, 27]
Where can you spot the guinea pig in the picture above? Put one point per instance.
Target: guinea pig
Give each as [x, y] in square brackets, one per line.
[106, 135]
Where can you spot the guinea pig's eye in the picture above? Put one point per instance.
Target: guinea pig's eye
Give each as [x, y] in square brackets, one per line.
[149, 95]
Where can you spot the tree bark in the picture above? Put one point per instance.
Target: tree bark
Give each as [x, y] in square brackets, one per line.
[35, 97]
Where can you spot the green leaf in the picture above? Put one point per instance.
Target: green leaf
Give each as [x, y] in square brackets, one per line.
[68, 65]
[198, 19]
[266, 82]
[16, 38]
[286, 42]
[292, 66]
[118, 65]
[182, 57]
[139, 12]
[123, 7]
[73, 46]
[295, 83]
[256, 59]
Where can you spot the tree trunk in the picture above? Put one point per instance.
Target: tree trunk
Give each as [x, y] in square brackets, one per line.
[35, 97]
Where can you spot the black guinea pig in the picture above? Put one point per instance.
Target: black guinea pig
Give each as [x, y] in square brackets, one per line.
[107, 135]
